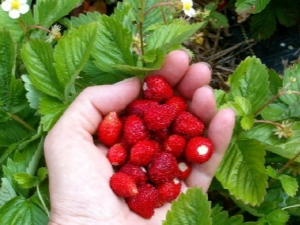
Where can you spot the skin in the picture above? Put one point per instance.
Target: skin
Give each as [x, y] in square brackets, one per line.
[79, 172]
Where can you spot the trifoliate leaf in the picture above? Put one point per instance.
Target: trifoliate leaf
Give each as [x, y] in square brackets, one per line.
[7, 192]
[250, 6]
[22, 211]
[276, 217]
[71, 53]
[38, 59]
[191, 208]
[250, 80]
[25, 180]
[289, 184]
[242, 171]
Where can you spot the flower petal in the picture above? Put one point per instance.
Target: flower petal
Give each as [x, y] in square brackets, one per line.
[6, 6]
[23, 1]
[24, 8]
[14, 14]
[191, 12]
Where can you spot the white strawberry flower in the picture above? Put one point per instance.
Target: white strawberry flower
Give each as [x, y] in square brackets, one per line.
[15, 7]
[188, 8]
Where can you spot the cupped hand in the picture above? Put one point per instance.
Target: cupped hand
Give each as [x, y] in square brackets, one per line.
[79, 171]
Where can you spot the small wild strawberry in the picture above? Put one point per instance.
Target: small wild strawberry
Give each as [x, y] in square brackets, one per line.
[139, 106]
[123, 185]
[138, 173]
[109, 130]
[187, 125]
[185, 169]
[156, 88]
[142, 152]
[134, 130]
[144, 202]
[199, 150]
[117, 154]
[178, 103]
[175, 145]
[168, 191]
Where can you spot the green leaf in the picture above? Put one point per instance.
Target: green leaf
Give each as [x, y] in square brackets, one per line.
[291, 73]
[247, 122]
[42, 173]
[275, 82]
[7, 192]
[22, 211]
[33, 95]
[250, 6]
[47, 12]
[250, 80]
[274, 111]
[82, 19]
[11, 132]
[112, 46]
[222, 218]
[216, 19]
[71, 53]
[221, 97]
[171, 35]
[25, 180]
[287, 12]
[272, 172]
[38, 59]
[292, 111]
[289, 184]
[276, 217]
[191, 208]
[242, 171]
[12, 25]
[263, 25]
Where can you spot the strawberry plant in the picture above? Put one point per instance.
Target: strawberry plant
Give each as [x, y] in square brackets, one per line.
[48, 58]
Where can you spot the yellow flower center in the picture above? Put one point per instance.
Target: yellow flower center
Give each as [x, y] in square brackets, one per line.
[15, 4]
[187, 6]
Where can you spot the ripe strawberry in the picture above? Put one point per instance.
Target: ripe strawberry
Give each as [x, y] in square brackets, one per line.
[134, 129]
[158, 117]
[123, 185]
[178, 103]
[187, 125]
[175, 145]
[161, 135]
[199, 150]
[185, 169]
[156, 88]
[163, 168]
[117, 154]
[139, 106]
[109, 130]
[168, 191]
[137, 173]
[142, 152]
[144, 202]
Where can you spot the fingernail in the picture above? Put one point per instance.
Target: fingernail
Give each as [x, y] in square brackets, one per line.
[126, 80]
[205, 63]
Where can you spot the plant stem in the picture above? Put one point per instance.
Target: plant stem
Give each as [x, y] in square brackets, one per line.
[42, 200]
[39, 27]
[141, 38]
[19, 120]
[292, 206]
[288, 163]
[163, 15]
[269, 122]
[281, 92]
[155, 6]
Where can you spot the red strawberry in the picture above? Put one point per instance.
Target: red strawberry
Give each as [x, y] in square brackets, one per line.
[109, 130]
[117, 154]
[158, 117]
[187, 125]
[199, 150]
[185, 170]
[156, 88]
[123, 185]
[161, 135]
[178, 103]
[222, 4]
[163, 168]
[144, 202]
[139, 106]
[136, 172]
[134, 129]
[168, 191]
[142, 152]
[175, 145]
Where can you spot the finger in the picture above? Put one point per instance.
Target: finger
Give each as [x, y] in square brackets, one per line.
[174, 67]
[204, 104]
[196, 76]
[220, 132]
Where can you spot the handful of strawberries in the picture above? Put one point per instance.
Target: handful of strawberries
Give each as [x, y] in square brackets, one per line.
[152, 146]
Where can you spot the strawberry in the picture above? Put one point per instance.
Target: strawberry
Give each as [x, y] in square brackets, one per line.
[136, 172]
[158, 117]
[187, 125]
[168, 191]
[175, 145]
[109, 130]
[142, 152]
[117, 154]
[123, 185]
[134, 130]
[178, 103]
[199, 150]
[163, 168]
[185, 169]
[161, 135]
[144, 202]
[156, 88]
[139, 106]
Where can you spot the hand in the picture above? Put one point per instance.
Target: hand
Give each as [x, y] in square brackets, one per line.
[79, 172]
